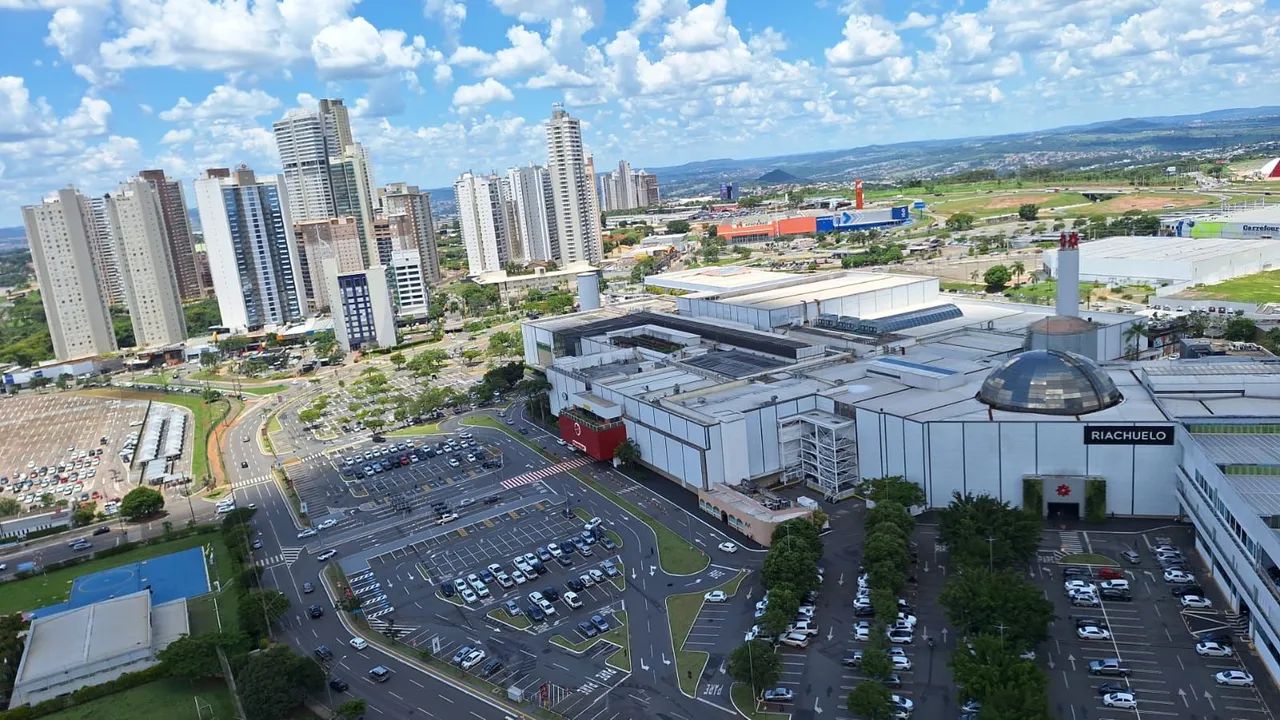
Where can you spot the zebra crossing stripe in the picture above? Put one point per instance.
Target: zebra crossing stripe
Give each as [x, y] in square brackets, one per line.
[547, 472]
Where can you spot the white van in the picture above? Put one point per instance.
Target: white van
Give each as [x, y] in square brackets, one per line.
[592, 524]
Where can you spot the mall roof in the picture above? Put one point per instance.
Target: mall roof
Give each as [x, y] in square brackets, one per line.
[828, 287]
[1159, 249]
[1268, 214]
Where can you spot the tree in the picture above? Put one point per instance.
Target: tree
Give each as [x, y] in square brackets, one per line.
[793, 565]
[996, 277]
[1017, 268]
[397, 359]
[967, 523]
[870, 700]
[875, 655]
[505, 343]
[82, 513]
[260, 608]
[960, 221]
[784, 603]
[991, 666]
[309, 416]
[898, 489]
[191, 657]
[977, 599]
[1240, 329]
[755, 663]
[275, 681]
[352, 709]
[627, 452]
[1028, 211]
[678, 226]
[208, 360]
[1131, 336]
[9, 506]
[427, 363]
[797, 530]
[141, 502]
[713, 230]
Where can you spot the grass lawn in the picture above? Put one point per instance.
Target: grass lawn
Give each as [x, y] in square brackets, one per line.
[1002, 203]
[263, 389]
[519, 622]
[1043, 292]
[746, 704]
[675, 554]
[1087, 559]
[55, 586]
[170, 698]
[206, 417]
[1144, 201]
[682, 611]
[962, 286]
[1260, 287]
[413, 430]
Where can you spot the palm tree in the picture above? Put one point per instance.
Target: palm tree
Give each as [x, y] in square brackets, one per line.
[1017, 268]
[1131, 335]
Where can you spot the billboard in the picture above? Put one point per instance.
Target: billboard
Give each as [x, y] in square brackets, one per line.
[1128, 434]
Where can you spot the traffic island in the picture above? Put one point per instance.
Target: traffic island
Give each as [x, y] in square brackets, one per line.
[517, 622]
[748, 705]
[616, 636]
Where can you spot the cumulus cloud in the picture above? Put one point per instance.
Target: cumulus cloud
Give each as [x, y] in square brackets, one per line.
[224, 101]
[355, 48]
[470, 97]
[449, 14]
[867, 39]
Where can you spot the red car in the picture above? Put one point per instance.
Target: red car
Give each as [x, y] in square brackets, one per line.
[1109, 573]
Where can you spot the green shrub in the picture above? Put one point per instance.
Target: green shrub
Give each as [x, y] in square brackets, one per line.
[1033, 495]
[1095, 500]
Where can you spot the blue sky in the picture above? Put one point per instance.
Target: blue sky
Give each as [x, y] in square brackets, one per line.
[91, 91]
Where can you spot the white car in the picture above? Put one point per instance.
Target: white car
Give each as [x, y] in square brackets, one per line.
[1073, 586]
[728, 547]
[1178, 577]
[1212, 649]
[325, 525]
[1114, 585]
[1122, 700]
[359, 643]
[326, 554]
[1090, 632]
[1238, 678]
[902, 703]
[309, 532]
[795, 639]
[862, 631]
[715, 596]
[1195, 601]
[519, 577]
[900, 662]
[469, 595]
[473, 659]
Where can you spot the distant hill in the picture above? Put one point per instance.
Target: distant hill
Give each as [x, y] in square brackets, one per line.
[13, 238]
[778, 176]
[1108, 144]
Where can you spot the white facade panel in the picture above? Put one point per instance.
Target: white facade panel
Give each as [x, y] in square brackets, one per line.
[981, 464]
[946, 444]
[1017, 451]
[1060, 449]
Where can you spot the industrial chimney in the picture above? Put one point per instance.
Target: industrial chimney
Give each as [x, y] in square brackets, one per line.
[1069, 274]
[857, 194]
[588, 291]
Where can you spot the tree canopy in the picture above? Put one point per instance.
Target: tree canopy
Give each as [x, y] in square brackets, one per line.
[989, 670]
[961, 221]
[966, 524]
[997, 277]
[978, 600]
[275, 681]
[869, 700]
[755, 663]
[1028, 211]
[141, 502]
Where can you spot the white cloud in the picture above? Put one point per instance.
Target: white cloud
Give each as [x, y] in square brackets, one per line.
[767, 41]
[224, 101]
[443, 75]
[651, 12]
[355, 48]
[450, 14]
[526, 55]
[22, 117]
[915, 21]
[867, 39]
[559, 76]
[470, 97]
[177, 136]
[468, 55]
[702, 28]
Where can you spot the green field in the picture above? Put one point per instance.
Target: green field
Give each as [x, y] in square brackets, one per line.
[54, 586]
[171, 699]
[1263, 287]
[415, 430]
[682, 611]
[1003, 203]
[746, 704]
[519, 622]
[1043, 292]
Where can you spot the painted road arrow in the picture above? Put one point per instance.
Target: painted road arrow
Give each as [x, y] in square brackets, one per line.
[665, 661]
[643, 665]
[816, 708]
[1209, 699]
[1072, 659]
[1183, 694]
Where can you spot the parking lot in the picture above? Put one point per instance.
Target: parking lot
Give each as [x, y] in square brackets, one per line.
[442, 459]
[44, 431]
[1152, 634]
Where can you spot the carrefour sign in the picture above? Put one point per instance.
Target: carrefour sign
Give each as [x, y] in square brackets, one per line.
[1128, 434]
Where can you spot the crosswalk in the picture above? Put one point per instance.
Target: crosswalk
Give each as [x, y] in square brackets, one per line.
[536, 475]
[286, 556]
[1070, 542]
[249, 482]
[395, 630]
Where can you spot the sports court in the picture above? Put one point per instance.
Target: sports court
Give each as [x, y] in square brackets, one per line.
[183, 574]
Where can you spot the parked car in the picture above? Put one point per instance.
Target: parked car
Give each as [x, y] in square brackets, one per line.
[1121, 700]
[1212, 649]
[1236, 678]
[778, 695]
[715, 596]
[1196, 602]
[1109, 666]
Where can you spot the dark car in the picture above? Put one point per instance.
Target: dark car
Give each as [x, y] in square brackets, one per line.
[491, 667]
[863, 611]
[1108, 688]
[103, 530]
[539, 568]
[1221, 638]
[587, 629]
[324, 653]
[492, 499]
[446, 589]
[244, 464]
[486, 576]
[308, 588]
[551, 593]
[535, 613]
[607, 544]
[543, 554]
[1091, 622]
[338, 685]
[315, 611]
[1115, 595]
[600, 623]
[462, 654]
[574, 584]
[1180, 590]
[257, 543]
[564, 560]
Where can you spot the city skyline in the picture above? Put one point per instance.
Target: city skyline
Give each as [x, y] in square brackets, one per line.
[434, 93]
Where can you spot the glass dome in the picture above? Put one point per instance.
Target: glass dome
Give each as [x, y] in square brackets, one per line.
[1051, 382]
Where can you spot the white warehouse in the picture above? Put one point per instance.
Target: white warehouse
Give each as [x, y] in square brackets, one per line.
[1170, 260]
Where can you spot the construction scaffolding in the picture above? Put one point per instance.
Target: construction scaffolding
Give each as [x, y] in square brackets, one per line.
[820, 450]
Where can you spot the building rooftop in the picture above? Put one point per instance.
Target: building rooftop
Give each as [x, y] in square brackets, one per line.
[500, 276]
[836, 285]
[1161, 248]
[722, 278]
[86, 635]
[1243, 448]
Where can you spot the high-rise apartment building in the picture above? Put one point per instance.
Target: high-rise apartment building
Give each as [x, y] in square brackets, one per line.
[177, 229]
[59, 231]
[400, 200]
[533, 209]
[627, 189]
[577, 233]
[253, 255]
[363, 316]
[353, 197]
[102, 244]
[483, 218]
[303, 140]
[409, 283]
[337, 122]
[137, 216]
[319, 240]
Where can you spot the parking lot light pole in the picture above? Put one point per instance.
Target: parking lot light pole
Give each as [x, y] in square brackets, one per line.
[990, 553]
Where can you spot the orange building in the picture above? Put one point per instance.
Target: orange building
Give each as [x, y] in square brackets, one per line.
[757, 233]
